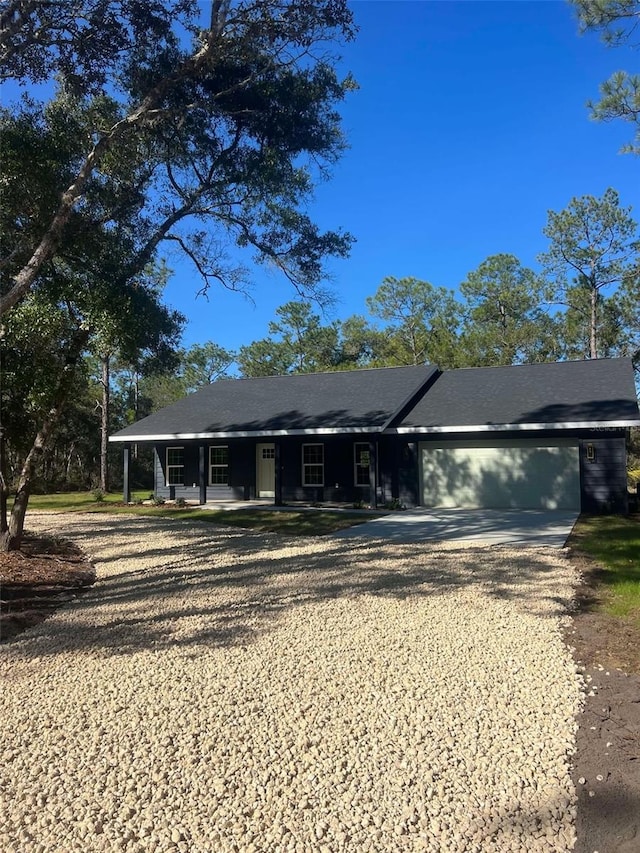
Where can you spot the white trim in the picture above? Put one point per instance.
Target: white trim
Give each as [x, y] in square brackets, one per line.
[306, 465]
[218, 465]
[267, 433]
[168, 467]
[599, 425]
[186, 436]
[268, 492]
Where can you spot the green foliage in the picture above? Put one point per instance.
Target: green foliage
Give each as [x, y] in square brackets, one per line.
[394, 505]
[614, 542]
[297, 343]
[205, 137]
[593, 246]
[191, 368]
[505, 322]
[98, 495]
[617, 22]
[361, 344]
[423, 321]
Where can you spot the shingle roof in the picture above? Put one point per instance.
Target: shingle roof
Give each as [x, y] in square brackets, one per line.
[573, 392]
[358, 400]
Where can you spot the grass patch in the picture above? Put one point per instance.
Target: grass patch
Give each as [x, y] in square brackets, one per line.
[293, 522]
[79, 501]
[614, 543]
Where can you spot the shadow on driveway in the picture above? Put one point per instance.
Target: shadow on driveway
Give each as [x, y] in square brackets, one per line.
[162, 583]
[483, 526]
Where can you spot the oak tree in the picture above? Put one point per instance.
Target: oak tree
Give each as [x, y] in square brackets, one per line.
[210, 134]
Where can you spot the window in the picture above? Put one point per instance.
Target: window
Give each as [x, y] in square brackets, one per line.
[219, 466]
[361, 463]
[175, 466]
[313, 464]
[268, 453]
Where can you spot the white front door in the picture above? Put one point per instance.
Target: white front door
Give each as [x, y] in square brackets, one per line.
[266, 470]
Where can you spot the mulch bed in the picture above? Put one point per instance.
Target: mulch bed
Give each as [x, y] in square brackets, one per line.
[37, 580]
[50, 572]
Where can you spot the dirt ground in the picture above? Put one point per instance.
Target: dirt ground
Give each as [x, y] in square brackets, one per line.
[607, 761]
[48, 573]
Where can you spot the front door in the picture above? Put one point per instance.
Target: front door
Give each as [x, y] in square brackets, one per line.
[266, 470]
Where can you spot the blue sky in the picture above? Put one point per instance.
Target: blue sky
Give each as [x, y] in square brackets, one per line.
[469, 125]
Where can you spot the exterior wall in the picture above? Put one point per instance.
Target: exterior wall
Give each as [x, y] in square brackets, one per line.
[397, 461]
[603, 478]
[603, 483]
[339, 470]
[241, 472]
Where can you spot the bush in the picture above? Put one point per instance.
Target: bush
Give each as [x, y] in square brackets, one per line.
[180, 502]
[98, 495]
[394, 503]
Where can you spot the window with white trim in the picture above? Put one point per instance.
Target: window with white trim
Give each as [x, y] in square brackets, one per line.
[175, 466]
[313, 464]
[219, 465]
[361, 456]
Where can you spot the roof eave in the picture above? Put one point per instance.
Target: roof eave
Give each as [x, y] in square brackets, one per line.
[600, 425]
[271, 433]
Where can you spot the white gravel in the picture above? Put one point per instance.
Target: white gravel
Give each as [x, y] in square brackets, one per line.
[219, 690]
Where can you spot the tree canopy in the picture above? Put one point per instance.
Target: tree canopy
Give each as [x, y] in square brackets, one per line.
[209, 137]
[618, 22]
[505, 320]
[593, 245]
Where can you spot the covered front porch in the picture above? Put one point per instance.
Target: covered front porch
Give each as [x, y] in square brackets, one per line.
[329, 470]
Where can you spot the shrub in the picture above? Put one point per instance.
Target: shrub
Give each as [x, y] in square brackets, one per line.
[394, 503]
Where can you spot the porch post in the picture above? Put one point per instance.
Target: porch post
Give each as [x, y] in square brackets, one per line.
[277, 500]
[202, 479]
[373, 485]
[126, 485]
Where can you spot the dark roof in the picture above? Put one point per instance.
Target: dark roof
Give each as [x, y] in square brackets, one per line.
[599, 391]
[363, 400]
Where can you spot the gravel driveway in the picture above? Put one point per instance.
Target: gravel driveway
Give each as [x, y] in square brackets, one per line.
[219, 690]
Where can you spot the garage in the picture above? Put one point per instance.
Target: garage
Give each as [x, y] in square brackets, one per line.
[501, 474]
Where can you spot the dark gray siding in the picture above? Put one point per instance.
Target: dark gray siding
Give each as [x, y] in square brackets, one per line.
[339, 473]
[603, 480]
[603, 483]
[408, 473]
[241, 473]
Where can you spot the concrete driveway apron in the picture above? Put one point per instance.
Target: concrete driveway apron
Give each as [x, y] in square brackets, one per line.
[491, 526]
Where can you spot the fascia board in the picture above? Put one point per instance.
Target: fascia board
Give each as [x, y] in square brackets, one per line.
[515, 427]
[271, 433]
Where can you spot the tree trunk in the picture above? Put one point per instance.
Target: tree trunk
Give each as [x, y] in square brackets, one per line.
[593, 324]
[52, 237]
[3, 462]
[11, 539]
[104, 423]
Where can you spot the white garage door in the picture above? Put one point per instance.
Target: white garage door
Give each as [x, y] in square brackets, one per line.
[501, 474]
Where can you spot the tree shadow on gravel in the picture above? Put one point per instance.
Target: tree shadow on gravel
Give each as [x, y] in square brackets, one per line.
[221, 587]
